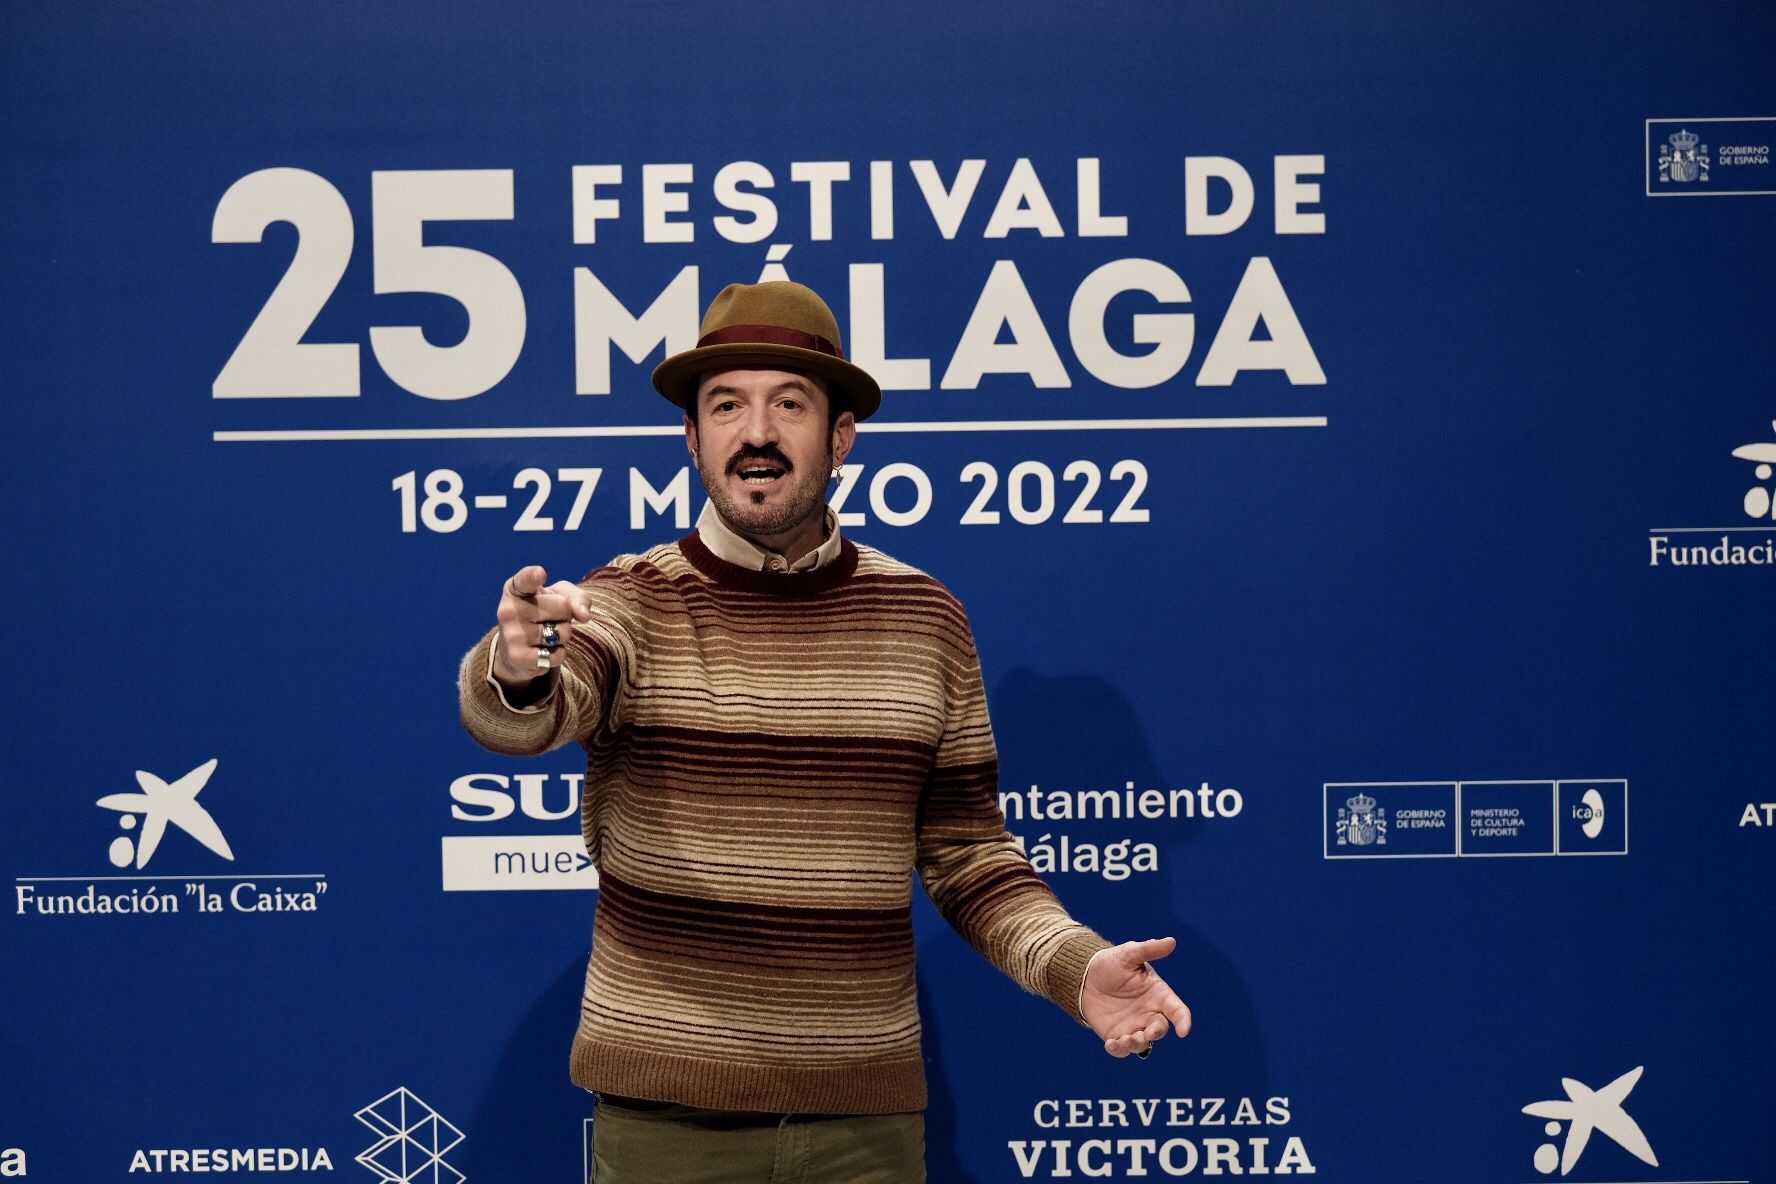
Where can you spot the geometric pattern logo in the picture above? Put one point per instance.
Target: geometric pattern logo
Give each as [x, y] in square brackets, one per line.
[412, 1141]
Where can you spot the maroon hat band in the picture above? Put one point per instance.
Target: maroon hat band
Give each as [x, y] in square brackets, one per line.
[770, 335]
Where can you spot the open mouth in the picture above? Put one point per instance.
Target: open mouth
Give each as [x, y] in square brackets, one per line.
[760, 474]
[765, 466]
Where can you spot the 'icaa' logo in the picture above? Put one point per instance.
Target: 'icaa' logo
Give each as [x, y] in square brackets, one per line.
[1590, 814]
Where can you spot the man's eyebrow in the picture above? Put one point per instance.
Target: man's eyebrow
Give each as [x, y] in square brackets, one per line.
[793, 384]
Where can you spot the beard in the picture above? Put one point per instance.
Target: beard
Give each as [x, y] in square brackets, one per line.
[801, 496]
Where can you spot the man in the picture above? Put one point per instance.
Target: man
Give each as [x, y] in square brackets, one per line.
[780, 728]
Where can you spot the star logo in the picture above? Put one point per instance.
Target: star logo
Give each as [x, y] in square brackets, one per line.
[1586, 1110]
[1758, 501]
[161, 803]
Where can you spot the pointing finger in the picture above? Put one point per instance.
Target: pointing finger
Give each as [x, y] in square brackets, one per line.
[527, 583]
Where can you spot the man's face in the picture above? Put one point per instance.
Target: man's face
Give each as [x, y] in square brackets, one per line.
[765, 445]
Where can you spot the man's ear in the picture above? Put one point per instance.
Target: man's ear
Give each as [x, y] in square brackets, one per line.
[844, 435]
[691, 434]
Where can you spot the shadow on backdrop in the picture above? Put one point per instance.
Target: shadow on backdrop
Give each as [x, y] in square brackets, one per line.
[1078, 732]
[528, 1123]
[942, 1164]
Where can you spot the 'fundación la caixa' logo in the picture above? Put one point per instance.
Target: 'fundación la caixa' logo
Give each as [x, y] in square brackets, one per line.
[166, 815]
[1596, 1131]
[1584, 1112]
[1680, 161]
[1735, 545]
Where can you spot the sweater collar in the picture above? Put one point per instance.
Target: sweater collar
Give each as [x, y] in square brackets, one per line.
[730, 545]
[771, 583]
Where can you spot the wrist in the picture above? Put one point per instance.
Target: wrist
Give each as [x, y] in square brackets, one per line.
[1086, 977]
[521, 692]
[527, 693]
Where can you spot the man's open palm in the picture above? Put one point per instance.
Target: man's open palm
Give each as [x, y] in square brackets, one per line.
[1126, 1002]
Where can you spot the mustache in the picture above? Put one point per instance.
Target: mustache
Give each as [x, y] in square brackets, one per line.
[768, 454]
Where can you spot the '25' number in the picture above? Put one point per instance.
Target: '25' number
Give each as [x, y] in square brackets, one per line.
[272, 361]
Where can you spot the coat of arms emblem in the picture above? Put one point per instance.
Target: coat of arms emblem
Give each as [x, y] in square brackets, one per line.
[1682, 157]
[1361, 824]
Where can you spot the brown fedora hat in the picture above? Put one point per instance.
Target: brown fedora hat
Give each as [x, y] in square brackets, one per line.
[778, 325]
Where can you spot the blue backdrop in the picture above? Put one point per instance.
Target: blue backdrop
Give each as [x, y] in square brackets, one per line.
[1349, 426]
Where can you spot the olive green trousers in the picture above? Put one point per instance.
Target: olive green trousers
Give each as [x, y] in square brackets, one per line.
[647, 1144]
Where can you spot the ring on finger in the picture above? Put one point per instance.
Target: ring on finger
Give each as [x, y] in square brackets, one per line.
[544, 661]
[1143, 1053]
[551, 637]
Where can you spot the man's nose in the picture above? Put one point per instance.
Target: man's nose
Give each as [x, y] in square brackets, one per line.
[759, 427]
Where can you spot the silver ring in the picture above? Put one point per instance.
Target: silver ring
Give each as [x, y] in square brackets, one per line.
[550, 637]
[1144, 1052]
[543, 662]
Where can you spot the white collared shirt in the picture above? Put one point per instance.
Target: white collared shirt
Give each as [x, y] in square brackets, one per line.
[730, 545]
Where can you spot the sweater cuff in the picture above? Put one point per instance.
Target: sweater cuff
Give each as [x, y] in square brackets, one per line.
[529, 704]
[1064, 978]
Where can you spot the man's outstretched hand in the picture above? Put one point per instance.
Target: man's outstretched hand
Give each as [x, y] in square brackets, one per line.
[1126, 1002]
[526, 606]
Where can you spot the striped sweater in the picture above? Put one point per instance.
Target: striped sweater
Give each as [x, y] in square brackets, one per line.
[769, 758]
